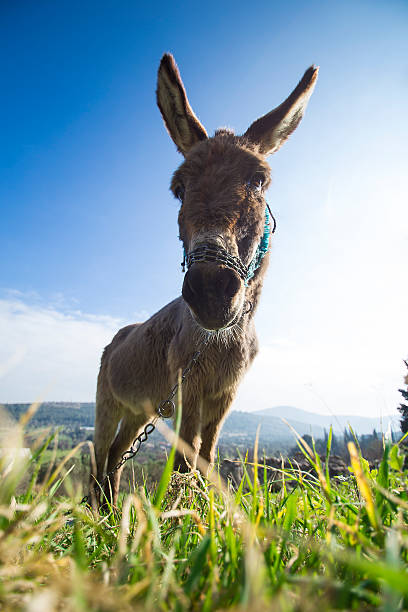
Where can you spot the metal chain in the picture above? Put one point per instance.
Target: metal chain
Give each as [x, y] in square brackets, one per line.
[165, 410]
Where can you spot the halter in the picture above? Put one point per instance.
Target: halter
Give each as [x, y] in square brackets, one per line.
[214, 253]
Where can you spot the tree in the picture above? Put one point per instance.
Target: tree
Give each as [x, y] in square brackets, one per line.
[308, 439]
[347, 436]
[403, 408]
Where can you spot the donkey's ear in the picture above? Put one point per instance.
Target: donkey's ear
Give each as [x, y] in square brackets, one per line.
[179, 118]
[271, 130]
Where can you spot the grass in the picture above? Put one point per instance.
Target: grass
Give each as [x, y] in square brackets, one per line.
[193, 543]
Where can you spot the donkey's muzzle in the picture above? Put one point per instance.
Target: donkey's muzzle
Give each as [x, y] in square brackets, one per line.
[212, 293]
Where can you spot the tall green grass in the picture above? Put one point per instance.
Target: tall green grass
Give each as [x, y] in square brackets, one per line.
[315, 543]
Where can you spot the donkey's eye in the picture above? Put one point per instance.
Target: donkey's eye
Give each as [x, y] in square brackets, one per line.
[256, 182]
[179, 192]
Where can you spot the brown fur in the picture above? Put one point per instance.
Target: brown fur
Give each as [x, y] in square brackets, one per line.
[222, 204]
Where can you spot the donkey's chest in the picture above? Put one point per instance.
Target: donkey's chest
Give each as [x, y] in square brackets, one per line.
[224, 371]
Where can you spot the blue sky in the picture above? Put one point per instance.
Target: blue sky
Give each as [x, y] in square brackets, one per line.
[89, 233]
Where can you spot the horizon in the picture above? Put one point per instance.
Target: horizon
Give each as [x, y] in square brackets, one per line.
[89, 235]
[261, 411]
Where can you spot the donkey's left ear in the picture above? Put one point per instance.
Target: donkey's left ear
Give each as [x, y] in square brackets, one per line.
[179, 118]
[271, 130]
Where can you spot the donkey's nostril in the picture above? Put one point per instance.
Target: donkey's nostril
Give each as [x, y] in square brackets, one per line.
[191, 285]
[232, 283]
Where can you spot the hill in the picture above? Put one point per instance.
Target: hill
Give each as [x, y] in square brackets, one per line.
[68, 414]
[272, 428]
[361, 425]
[238, 426]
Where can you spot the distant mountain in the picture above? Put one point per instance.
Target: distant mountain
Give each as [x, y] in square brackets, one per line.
[272, 428]
[238, 425]
[68, 414]
[74, 414]
[361, 425]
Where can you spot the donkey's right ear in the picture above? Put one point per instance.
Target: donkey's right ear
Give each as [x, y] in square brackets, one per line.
[179, 118]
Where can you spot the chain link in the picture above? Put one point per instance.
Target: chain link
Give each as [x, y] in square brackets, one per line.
[165, 410]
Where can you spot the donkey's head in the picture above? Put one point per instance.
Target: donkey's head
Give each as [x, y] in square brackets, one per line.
[223, 219]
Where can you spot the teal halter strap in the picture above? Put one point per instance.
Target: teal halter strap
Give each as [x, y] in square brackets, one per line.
[262, 249]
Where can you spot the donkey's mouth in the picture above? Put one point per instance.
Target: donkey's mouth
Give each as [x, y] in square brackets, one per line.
[212, 326]
[217, 321]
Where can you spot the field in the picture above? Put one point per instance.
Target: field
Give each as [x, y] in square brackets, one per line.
[308, 541]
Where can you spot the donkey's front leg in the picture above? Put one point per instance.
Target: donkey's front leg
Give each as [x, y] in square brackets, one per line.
[130, 426]
[213, 415]
[189, 436]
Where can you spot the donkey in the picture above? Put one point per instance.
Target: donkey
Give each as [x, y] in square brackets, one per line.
[225, 228]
